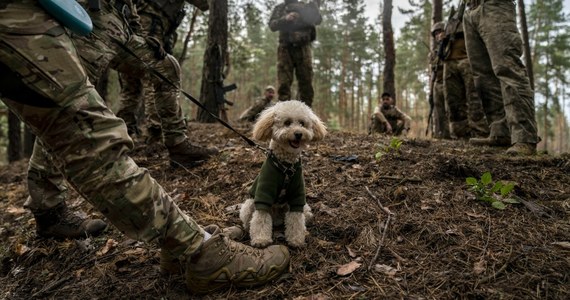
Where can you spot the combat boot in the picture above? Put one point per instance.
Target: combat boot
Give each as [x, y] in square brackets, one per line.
[222, 262]
[61, 223]
[170, 265]
[491, 141]
[522, 149]
[187, 155]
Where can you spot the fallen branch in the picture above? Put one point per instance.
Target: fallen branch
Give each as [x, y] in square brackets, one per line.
[381, 243]
[402, 179]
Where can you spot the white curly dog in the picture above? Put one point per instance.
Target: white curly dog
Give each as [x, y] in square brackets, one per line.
[278, 192]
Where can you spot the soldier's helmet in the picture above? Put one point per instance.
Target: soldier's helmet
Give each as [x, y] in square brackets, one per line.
[439, 26]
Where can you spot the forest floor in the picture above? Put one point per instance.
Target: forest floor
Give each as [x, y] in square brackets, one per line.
[403, 226]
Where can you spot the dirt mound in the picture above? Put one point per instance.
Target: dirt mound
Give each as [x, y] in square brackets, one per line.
[390, 221]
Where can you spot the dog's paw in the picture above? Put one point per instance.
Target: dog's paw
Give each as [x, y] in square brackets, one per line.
[261, 243]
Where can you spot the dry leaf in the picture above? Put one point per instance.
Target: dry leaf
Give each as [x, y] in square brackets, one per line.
[384, 269]
[479, 267]
[475, 215]
[20, 249]
[136, 251]
[15, 210]
[565, 245]
[111, 243]
[348, 268]
[313, 297]
[350, 252]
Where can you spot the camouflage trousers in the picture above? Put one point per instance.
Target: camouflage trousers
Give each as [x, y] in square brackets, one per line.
[101, 50]
[137, 92]
[81, 140]
[466, 113]
[494, 47]
[440, 114]
[295, 61]
[377, 125]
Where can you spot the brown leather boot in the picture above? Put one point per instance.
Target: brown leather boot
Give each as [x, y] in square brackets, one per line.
[61, 223]
[522, 149]
[187, 155]
[222, 262]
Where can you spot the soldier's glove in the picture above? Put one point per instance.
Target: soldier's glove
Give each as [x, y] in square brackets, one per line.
[156, 46]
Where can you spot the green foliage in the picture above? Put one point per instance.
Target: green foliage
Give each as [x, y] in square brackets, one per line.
[393, 147]
[497, 193]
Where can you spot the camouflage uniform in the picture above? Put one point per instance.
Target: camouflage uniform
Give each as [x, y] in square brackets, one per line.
[294, 53]
[494, 47]
[251, 114]
[159, 19]
[393, 115]
[466, 114]
[80, 136]
[440, 115]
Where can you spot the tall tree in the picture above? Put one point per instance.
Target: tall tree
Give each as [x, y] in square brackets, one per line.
[216, 64]
[390, 52]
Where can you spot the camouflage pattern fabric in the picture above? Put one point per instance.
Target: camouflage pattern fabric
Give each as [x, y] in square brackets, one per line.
[440, 111]
[466, 113]
[393, 115]
[101, 50]
[251, 114]
[81, 138]
[494, 46]
[440, 115]
[294, 53]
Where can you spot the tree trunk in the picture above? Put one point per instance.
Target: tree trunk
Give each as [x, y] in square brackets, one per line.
[184, 54]
[436, 16]
[14, 138]
[215, 59]
[390, 52]
[526, 43]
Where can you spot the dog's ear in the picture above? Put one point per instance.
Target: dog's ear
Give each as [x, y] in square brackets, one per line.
[319, 128]
[262, 130]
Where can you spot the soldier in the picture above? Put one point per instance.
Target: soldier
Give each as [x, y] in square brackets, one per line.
[387, 118]
[159, 19]
[494, 47]
[43, 81]
[296, 23]
[466, 113]
[440, 115]
[103, 50]
[251, 114]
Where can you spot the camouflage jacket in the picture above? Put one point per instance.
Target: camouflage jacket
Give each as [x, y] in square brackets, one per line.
[253, 111]
[392, 115]
[299, 31]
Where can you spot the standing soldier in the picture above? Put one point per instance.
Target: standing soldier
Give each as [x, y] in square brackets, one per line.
[466, 113]
[159, 19]
[389, 119]
[494, 47]
[43, 81]
[296, 23]
[440, 114]
[251, 114]
[104, 50]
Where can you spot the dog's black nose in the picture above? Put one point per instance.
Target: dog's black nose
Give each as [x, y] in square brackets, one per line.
[298, 135]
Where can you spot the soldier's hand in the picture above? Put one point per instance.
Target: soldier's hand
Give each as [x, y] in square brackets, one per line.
[388, 128]
[292, 16]
[156, 46]
[404, 132]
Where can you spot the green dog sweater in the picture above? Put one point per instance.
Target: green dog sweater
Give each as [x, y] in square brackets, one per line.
[279, 182]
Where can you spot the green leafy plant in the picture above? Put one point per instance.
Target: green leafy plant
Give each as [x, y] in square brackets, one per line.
[394, 146]
[495, 193]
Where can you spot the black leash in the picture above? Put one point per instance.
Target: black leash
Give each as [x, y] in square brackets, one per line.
[186, 94]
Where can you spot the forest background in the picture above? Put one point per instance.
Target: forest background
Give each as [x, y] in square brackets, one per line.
[349, 60]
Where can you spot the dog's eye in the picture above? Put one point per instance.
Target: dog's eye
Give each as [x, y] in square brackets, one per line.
[302, 123]
[287, 122]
